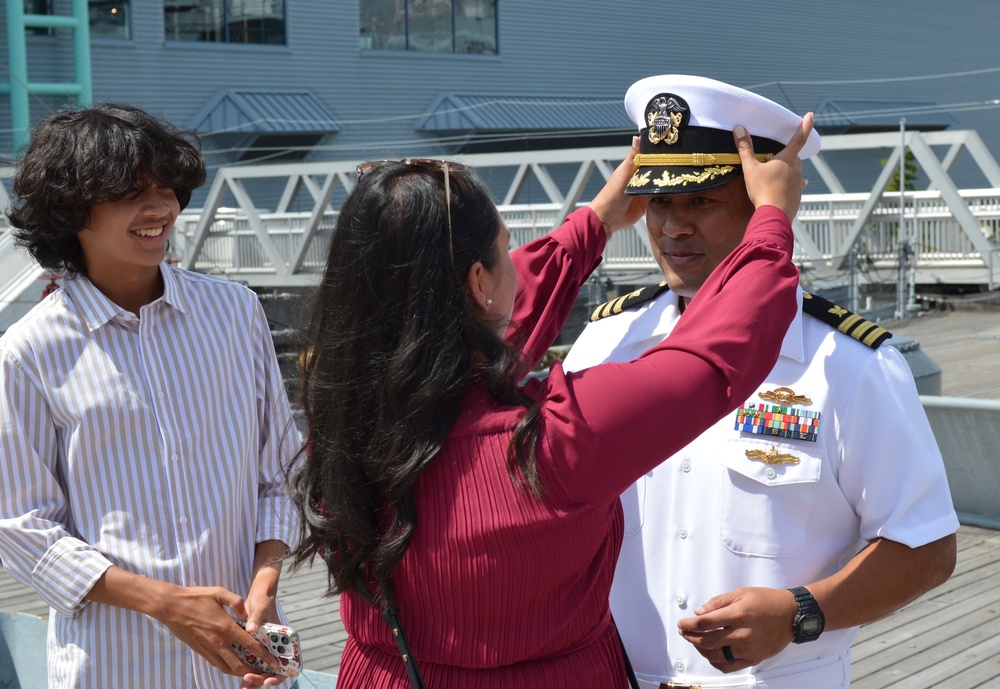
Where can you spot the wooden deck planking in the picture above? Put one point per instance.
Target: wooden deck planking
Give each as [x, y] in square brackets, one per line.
[965, 344]
[924, 644]
[950, 630]
[315, 616]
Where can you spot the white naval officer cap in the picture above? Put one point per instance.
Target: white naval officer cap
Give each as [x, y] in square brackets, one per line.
[686, 132]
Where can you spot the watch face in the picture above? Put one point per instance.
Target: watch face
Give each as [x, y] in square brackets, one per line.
[811, 624]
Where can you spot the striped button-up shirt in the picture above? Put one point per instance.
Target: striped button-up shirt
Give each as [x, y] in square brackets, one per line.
[155, 444]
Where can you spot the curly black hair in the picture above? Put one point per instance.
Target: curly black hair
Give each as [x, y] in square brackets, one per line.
[81, 158]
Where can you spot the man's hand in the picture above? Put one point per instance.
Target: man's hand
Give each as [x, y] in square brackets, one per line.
[194, 614]
[756, 624]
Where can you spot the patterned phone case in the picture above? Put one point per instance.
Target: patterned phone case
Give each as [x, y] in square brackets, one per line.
[282, 642]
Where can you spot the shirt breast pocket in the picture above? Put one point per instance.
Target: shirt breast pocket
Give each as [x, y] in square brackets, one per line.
[766, 504]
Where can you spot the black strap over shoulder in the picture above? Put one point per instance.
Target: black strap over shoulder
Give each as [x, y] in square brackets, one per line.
[845, 321]
[391, 616]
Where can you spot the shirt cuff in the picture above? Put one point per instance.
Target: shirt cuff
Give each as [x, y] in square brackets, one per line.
[66, 574]
[277, 521]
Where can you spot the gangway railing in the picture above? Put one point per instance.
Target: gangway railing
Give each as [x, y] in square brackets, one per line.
[230, 246]
[955, 231]
[945, 253]
[270, 225]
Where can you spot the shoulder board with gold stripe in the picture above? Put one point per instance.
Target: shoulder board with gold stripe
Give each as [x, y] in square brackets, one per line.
[623, 303]
[852, 324]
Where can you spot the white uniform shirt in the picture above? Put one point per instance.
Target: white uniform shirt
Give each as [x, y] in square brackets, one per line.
[711, 520]
[152, 444]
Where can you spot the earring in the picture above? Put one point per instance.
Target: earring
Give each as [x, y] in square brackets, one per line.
[489, 302]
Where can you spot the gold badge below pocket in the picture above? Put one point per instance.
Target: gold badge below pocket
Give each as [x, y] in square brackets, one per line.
[772, 456]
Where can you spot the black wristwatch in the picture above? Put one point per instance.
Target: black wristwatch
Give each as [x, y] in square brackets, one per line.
[809, 620]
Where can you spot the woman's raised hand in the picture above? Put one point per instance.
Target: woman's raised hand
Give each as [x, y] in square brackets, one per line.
[778, 182]
[616, 209]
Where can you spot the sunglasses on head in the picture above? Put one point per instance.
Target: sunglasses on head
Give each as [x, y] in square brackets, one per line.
[431, 164]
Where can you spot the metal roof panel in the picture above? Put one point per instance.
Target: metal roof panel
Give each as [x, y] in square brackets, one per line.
[462, 112]
[232, 111]
[851, 115]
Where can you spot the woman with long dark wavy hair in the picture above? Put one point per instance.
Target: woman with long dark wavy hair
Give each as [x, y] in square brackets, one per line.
[485, 510]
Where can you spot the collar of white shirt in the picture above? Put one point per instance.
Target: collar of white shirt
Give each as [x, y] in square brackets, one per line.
[96, 309]
[792, 346]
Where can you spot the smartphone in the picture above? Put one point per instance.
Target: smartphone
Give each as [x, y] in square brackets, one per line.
[281, 641]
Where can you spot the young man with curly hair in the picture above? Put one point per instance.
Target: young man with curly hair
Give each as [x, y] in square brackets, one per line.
[143, 421]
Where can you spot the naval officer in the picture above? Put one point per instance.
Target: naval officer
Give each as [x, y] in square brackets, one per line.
[752, 556]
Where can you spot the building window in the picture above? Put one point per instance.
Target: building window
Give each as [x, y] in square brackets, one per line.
[109, 18]
[438, 26]
[226, 21]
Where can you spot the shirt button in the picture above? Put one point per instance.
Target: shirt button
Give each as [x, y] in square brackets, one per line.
[173, 458]
[686, 465]
[680, 600]
[682, 532]
[127, 317]
[160, 395]
[184, 520]
[679, 665]
[771, 473]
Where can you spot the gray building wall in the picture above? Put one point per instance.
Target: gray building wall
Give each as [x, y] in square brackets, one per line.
[797, 53]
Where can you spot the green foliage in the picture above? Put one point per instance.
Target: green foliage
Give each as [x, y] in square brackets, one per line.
[911, 167]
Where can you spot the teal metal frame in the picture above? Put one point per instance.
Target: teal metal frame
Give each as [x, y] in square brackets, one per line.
[19, 88]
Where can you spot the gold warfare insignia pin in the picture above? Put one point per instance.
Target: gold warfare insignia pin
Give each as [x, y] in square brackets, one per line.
[772, 456]
[784, 396]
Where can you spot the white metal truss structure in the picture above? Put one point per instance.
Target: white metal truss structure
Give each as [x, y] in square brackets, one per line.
[957, 231]
[285, 248]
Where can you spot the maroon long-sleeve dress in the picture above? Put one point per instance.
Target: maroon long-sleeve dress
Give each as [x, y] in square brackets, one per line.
[502, 590]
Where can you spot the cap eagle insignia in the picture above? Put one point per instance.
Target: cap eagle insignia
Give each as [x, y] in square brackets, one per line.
[664, 116]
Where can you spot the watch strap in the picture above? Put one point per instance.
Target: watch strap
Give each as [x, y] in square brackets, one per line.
[802, 596]
[808, 608]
